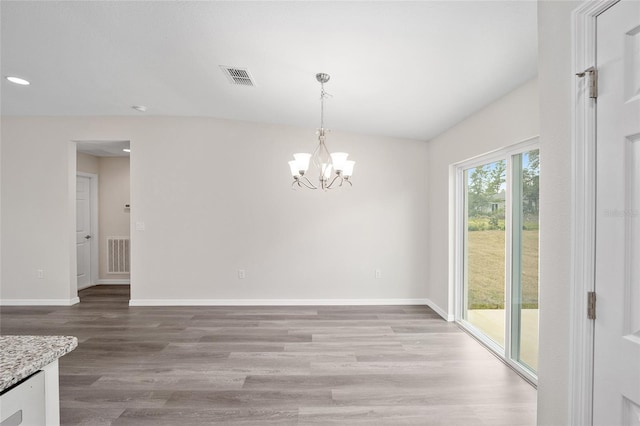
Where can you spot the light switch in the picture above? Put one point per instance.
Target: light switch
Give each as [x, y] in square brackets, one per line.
[139, 226]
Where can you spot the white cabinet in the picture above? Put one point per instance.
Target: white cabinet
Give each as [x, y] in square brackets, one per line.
[24, 404]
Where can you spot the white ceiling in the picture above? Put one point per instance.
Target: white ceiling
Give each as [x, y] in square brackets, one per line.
[404, 69]
[103, 148]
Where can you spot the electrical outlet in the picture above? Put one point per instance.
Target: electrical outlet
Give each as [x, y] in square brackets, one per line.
[241, 274]
[40, 273]
[378, 274]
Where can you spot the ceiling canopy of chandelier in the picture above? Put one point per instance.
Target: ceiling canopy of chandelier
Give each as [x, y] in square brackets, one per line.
[333, 169]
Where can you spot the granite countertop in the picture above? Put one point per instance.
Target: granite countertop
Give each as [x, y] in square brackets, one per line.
[21, 356]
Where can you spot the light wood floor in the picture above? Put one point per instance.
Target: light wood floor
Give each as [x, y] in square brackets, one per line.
[271, 365]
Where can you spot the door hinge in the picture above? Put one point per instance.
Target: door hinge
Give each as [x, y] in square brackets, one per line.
[591, 305]
[592, 81]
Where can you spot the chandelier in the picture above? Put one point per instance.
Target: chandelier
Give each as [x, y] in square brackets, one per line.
[333, 169]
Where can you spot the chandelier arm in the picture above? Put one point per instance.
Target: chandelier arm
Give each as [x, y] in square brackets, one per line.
[308, 187]
[333, 181]
[308, 183]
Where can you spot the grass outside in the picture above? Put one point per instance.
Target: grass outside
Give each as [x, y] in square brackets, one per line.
[486, 269]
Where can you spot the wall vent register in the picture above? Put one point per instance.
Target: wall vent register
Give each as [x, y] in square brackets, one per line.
[118, 255]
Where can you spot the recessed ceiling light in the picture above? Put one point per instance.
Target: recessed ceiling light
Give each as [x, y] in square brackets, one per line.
[126, 149]
[140, 108]
[18, 80]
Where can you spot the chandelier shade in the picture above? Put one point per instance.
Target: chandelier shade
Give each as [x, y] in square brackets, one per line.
[300, 163]
[333, 169]
[338, 159]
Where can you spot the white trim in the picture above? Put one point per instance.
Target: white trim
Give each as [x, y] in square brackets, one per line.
[583, 200]
[123, 281]
[275, 302]
[454, 249]
[39, 302]
[438, 310]
[526, 144]
[458, 246]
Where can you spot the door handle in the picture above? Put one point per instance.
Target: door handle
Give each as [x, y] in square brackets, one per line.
[87, 237]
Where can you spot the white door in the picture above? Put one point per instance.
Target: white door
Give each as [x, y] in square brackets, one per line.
[83, 230]
[617, 325]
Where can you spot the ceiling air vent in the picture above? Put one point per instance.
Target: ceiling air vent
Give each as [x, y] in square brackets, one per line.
[238, 76]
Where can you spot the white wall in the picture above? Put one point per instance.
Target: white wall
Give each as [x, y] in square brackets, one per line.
[87, 163]
[556, 78]
[38, 222]
[215, 196]
[509, 120]
[1, 195]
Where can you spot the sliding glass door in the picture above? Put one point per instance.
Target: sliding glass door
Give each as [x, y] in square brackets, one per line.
[484, 249]
[497, 252]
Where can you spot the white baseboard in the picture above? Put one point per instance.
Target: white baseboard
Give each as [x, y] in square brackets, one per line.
[123, 281]
[439, 310]
[274, 302]
[39, 302]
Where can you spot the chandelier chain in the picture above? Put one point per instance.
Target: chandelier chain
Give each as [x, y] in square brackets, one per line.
[322, 106]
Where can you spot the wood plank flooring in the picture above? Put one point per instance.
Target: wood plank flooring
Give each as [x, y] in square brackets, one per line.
[320, 365]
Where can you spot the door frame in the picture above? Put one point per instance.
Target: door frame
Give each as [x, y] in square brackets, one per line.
[93, 179]
[583, 214]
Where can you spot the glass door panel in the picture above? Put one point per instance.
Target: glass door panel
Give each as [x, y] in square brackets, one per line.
[484, 249]
[525, 254]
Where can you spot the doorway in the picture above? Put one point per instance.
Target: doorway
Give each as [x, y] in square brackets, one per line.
[107, 165]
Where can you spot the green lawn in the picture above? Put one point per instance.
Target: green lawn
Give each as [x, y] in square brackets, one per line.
[486, 269]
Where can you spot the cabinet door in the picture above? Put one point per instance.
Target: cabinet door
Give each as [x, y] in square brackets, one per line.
[24, 403]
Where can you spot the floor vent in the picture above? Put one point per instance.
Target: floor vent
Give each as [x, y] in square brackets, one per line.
[118, 255]
[238, 76]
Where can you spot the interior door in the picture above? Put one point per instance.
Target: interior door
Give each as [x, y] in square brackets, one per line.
[617, 325]
[83, 230]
